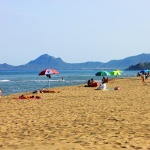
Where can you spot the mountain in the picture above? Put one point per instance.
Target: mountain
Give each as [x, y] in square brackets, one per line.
[140, 66]
[6, 67]
[46, 61]
[124, 63]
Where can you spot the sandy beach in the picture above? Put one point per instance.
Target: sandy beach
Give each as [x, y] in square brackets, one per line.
[78, 118]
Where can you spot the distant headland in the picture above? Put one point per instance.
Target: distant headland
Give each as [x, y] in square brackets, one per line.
[137, 62]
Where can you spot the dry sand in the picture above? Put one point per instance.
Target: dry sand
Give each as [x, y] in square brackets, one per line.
[79, 118]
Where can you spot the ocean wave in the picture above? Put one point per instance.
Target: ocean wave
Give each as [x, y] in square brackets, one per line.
[48, 81]
[32, 80]
[4, 80]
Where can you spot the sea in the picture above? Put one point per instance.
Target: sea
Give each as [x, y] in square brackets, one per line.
[12, 82]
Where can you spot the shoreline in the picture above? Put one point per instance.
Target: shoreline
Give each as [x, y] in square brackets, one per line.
[55, 87]
[78, 117]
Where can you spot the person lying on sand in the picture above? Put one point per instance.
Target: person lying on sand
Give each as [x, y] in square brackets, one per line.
[49, 91]
[29, 97]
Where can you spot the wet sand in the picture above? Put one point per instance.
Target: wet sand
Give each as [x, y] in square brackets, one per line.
[78, 118]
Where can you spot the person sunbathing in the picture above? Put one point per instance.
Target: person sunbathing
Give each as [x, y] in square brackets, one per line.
[29, 97]
[49, 91]
[24, 97]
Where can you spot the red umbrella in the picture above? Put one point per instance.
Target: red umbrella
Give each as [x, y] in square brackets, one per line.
[48, 73]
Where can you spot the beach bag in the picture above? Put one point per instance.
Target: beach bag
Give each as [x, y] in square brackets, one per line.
[117, 88]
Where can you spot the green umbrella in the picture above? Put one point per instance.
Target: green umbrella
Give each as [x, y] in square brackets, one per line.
[102, 73]
[115, 73]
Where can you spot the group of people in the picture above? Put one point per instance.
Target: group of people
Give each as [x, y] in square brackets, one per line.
[29, 97]
[92, 83]
[102, 85]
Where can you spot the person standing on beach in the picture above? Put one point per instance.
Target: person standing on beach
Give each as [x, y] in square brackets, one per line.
[143, 78]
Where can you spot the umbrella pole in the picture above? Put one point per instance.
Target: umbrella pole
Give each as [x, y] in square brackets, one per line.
[49, 83]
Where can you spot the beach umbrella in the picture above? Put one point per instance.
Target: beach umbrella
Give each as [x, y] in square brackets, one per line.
[102, 73]
[48, 73]
[143, 71]
[115, 73]
[118, 70]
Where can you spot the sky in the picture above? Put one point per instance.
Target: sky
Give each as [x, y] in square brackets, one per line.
[75, 30]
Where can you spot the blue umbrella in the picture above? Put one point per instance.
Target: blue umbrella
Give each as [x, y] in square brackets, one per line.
[143, 71]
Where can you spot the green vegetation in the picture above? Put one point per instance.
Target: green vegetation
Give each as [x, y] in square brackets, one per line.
[140, 66]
